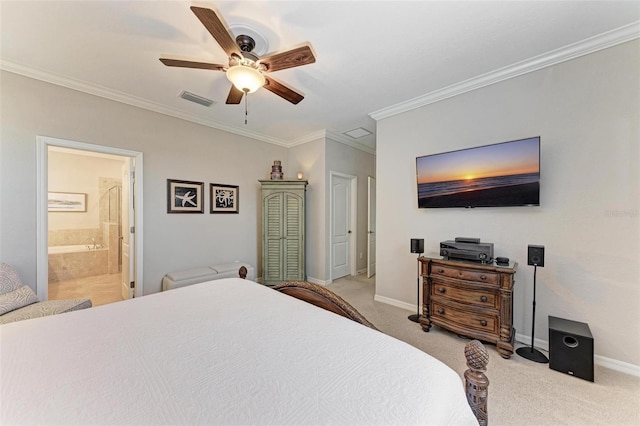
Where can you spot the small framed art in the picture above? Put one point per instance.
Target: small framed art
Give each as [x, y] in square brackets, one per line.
[224, 198]
[184, 196]
[66, 202]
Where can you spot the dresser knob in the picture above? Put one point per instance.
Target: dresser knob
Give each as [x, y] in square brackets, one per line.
[441, 311]
[483, 323]
[483, 277]
[442, 290]
[483, 298]
[441, 271]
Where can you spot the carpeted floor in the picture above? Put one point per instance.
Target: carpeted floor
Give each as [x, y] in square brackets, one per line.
[521, 392]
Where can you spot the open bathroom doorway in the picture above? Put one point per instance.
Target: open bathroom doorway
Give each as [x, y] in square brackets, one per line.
[89, 237]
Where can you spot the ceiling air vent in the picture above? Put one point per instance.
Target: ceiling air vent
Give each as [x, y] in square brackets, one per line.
[195, 98]
[357, 133]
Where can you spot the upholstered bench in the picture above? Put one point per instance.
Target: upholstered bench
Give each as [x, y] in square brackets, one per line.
[199, 275]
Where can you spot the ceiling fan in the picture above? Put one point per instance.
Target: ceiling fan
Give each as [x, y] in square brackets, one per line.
[246, 70]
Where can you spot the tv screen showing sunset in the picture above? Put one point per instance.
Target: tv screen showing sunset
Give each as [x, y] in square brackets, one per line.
[504, 174]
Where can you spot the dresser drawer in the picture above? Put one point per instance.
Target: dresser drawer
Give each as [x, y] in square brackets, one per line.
[467, 296]
[487, 323]
[464, 274]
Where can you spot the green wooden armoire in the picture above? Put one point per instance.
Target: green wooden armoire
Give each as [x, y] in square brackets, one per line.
[283, 230]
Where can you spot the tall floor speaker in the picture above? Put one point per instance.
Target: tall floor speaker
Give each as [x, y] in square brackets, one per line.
[571, 348]
[535, 257]
[417, 246]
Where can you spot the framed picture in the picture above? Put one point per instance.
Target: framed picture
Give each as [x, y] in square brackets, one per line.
[184, 196]
[66, 202]
[224, 198]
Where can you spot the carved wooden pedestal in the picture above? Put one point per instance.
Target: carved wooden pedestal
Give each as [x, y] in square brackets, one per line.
[476, 382]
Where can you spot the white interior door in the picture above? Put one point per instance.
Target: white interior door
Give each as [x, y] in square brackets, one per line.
[371, 227]
[128, 240]
[341, 232]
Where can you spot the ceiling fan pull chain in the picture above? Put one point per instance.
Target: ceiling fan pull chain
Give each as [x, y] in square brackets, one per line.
[246, 102]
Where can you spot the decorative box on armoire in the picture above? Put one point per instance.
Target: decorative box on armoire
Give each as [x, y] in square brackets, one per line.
[283, 230]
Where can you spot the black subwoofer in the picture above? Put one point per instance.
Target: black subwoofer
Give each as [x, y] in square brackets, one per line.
[571, 348]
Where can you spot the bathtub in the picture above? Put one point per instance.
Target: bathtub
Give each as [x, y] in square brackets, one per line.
[70, 249]
[77, 261]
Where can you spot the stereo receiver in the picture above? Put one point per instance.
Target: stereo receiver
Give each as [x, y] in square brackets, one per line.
[467, 249]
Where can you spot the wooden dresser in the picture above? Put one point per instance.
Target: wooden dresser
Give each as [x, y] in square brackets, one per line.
[470, 299]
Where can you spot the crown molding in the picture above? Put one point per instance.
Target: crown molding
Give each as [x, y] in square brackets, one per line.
[328, 134]
[320, 134]
[572, 51]
[125, 98]
[347, 141]
[584, 47]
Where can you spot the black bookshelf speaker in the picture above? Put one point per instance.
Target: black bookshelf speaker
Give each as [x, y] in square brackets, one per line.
[535, 255]
[417, 245]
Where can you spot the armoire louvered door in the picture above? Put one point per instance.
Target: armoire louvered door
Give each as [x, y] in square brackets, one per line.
[283, 230]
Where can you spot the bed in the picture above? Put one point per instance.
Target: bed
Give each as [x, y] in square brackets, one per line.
[224, 352]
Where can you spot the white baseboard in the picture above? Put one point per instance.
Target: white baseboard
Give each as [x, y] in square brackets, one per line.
[614, 364]
[394, 302]
[538, 343]
[319, 282]
[603, 361]
[327, 282]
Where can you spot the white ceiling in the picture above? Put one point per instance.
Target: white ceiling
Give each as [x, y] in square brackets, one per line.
[373, 57]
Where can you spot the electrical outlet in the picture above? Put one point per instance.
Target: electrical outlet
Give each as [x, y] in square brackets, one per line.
[361, 255]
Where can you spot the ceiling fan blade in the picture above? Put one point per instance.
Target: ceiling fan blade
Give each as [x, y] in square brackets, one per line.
[235, 95]
[191, 64]
[302, 55]
[283, 91]
[214, 25]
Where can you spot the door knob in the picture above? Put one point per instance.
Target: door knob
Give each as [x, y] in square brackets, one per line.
[349, 231]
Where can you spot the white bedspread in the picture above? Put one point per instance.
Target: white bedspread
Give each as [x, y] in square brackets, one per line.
[219, 353]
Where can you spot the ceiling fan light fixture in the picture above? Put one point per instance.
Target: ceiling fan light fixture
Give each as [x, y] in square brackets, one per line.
[245, 78]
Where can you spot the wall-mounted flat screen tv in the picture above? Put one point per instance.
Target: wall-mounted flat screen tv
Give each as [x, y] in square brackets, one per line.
[498, 175]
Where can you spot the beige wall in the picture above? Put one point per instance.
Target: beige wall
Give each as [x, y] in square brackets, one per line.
[172, 148]
[587, 113]
[79, 174]
[317, 160]
[309, 158]
[345, 159]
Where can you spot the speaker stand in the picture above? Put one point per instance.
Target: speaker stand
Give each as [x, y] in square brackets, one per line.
[531, 353]
[416, 317]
